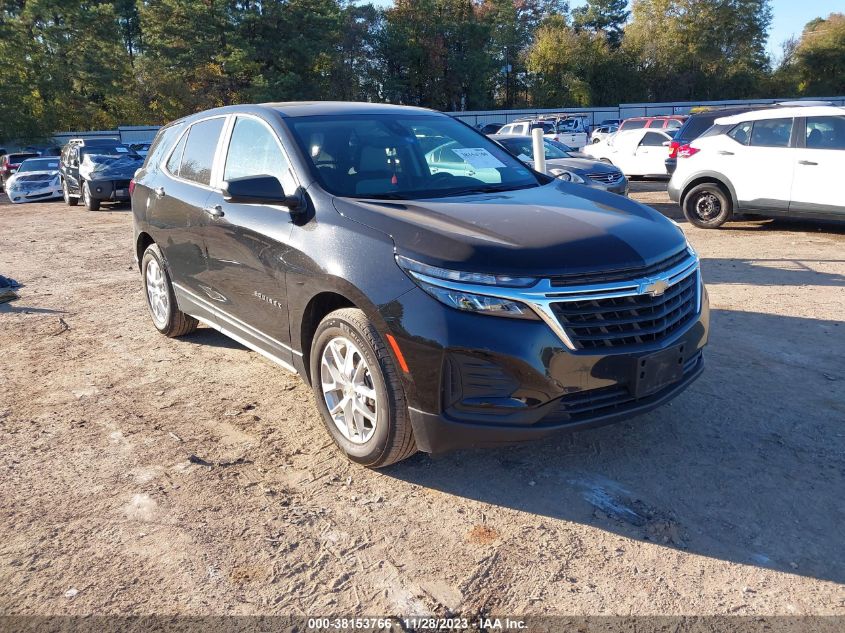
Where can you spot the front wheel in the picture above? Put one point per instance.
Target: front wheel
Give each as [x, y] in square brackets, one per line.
[707, 206]
[358, 390]
[161, 301]
[91, 203]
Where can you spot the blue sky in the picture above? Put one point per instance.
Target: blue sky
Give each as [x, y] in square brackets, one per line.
[789, 17]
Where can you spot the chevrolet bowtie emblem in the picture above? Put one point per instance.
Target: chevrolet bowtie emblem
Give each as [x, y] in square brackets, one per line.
[655, 288]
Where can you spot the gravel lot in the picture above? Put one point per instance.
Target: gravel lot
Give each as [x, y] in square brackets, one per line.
[147, 475]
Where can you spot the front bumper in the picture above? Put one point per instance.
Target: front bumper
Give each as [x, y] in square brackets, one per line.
[110, 190]
[18, 195]
[674, 190]
[478, 381]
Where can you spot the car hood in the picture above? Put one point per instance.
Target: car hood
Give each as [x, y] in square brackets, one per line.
[32, 176]
[558, 228]
[118, 169]
[582, 165]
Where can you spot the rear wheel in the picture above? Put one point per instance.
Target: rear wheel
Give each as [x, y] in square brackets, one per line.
[358, 390]
[167, 317]
[92, 204]
[707, 206]
[69, 199]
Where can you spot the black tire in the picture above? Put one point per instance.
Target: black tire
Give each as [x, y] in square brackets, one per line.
[707, 206]
[92, 204]
[392, 439]
[596, 140]
[69, 199]
[174, 322]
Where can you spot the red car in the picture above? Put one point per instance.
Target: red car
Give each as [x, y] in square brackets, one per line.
[665, 122]
[9, 164]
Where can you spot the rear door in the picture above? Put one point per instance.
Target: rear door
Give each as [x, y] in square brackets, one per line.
[248, 243]
[818, 184]
[759, 160]
[176, 209]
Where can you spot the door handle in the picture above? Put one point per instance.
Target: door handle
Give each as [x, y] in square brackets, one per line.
[723, 152]
[806, 162]
[216, 211]
[159, 192]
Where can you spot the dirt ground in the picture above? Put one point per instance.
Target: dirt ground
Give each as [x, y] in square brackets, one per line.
[147, 475]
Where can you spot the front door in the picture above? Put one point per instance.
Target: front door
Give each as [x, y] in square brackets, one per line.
[818, 184]
[248, 243]
[759, 161]
[650, 155]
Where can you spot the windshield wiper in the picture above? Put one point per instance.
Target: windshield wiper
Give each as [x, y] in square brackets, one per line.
[483, 189]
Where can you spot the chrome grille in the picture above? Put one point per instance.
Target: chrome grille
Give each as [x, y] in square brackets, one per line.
[605, 178]
[624, 274]
[629, 320]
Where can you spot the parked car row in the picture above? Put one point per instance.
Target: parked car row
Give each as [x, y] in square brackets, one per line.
[97, 171]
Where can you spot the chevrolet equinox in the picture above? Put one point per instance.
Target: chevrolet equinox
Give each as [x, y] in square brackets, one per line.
[435, 292]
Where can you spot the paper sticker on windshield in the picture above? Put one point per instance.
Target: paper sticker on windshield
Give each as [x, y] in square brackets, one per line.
[523, 157]
[120, 150]
[479, 158]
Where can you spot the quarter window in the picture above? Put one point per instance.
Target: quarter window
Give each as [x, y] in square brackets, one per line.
[176, 156]
[198, 156]
[771, 133]
[254, 151]
[826, 132]
[653, 139]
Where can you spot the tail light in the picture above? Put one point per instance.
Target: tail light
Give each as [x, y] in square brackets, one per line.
[673, 149]
[685, 151]
[131, 186]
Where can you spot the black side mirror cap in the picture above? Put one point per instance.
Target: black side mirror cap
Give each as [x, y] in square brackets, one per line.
[262, 190]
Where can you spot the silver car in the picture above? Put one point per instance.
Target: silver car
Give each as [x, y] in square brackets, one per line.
[565, 163]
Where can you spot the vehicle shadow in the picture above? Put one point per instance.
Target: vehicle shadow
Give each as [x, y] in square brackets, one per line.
[11, 308]
[208, 336]
[771, 272]
[747, 466]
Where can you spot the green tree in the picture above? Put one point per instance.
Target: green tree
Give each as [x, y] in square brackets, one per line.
[814, 65]
[606, 16]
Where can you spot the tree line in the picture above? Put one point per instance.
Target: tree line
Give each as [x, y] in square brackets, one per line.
[90, 64]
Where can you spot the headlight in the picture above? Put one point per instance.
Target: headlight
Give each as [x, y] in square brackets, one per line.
[426, 277]
[469, 302]
[568, 176]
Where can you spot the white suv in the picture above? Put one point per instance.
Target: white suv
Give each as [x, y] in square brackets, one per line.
[785, 161]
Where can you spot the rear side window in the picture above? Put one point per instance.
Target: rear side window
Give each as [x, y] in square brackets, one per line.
[826, 132]
[771, 133]
[741, 133]
[633, 125]
[176, 156]
[254, 151]
[198, 157]
[162, 142]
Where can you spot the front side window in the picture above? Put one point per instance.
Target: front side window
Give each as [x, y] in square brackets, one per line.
[254, 151]
[404, 156]
[198, 157]
[653, 139]
[826, 132]
[771, 133]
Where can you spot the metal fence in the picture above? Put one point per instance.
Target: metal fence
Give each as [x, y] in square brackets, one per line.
[145, 133]
[623, 110]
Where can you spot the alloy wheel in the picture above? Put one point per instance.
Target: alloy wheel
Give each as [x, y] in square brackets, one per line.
[349, 390]
[157, 294]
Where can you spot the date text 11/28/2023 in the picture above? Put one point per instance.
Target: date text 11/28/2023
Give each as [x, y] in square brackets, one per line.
[415, 623]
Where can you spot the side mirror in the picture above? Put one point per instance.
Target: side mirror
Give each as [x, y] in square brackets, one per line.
[261, 190]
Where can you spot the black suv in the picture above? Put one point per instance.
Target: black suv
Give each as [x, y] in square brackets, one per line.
[433, 299]
[97, 171]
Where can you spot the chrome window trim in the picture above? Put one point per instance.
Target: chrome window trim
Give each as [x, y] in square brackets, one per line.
[542, 295]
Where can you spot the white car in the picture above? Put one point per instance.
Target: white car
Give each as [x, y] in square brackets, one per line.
[640, 152]
[36, 179]
[602, 132]
[569, 130]
[774, 162]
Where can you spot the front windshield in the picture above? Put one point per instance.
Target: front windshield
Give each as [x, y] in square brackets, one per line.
[523, 148]
[404, 156]
[97, 152]
[39, 164]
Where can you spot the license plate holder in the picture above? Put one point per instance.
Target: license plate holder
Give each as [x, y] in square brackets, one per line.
[121, 193]
[657, 371]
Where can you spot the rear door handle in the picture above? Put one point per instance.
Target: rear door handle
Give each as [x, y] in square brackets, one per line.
[159, 192]
[725, 153]
[806, 162]
[216, 211]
